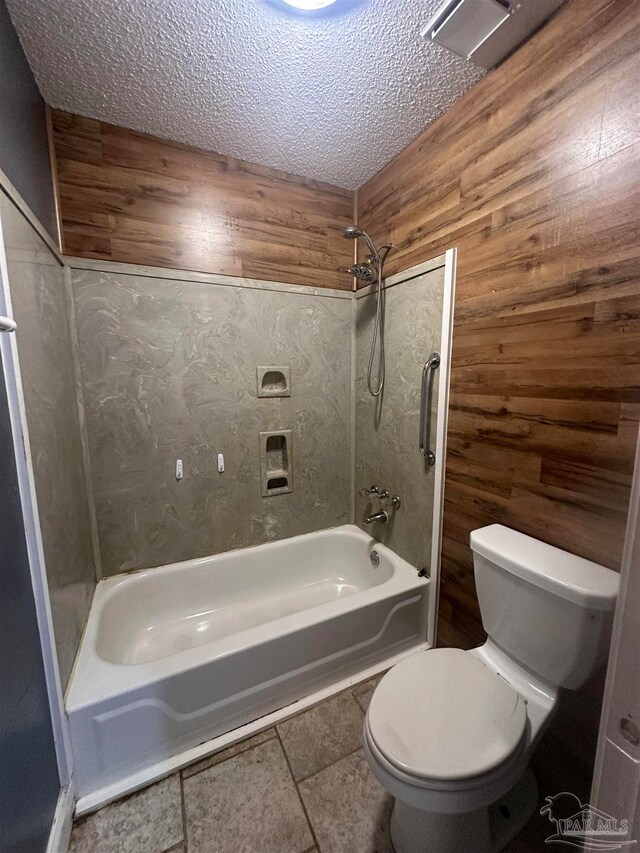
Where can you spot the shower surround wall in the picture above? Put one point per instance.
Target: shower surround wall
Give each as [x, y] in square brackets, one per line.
[41, 307]
[387, 427]
[169, 364]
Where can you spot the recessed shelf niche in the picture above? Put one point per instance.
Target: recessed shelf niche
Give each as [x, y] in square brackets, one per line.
[276, 463]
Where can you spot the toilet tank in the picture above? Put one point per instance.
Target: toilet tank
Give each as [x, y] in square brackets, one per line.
[549, 610]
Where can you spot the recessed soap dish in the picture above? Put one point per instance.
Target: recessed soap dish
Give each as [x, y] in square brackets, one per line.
[273, 381]
[277, 483]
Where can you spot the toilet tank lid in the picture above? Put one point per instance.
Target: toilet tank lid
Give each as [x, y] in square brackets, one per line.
[559, 572]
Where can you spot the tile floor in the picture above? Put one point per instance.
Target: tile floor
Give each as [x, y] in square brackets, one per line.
[301, 787]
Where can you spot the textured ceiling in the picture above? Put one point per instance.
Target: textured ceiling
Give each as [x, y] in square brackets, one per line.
[328, 96]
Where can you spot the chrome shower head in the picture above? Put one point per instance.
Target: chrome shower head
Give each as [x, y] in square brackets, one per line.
[363, 272]
[352, 232]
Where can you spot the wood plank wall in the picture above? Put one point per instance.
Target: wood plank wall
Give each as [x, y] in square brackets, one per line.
[534, 176]
[129, 197]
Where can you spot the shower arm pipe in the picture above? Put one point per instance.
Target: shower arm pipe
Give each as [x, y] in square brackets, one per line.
[370, 245]
[377, 255]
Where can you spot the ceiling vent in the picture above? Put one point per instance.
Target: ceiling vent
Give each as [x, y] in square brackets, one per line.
[485, 31]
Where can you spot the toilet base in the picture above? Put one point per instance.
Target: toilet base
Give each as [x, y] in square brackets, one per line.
[487, 830]
[417, 831]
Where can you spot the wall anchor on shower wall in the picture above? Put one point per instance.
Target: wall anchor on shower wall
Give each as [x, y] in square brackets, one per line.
[179, 469]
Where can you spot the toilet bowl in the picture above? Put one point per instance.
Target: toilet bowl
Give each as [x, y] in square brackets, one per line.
[449, 733]
[449, 737]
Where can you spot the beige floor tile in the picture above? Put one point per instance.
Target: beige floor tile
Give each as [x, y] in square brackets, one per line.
[236, 749]
[364, 692]
[246, 804]
[147, 822]
[322, 735]
[348, 809]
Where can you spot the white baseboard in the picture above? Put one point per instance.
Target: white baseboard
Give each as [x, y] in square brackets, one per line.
[98, 799]
[62, 822]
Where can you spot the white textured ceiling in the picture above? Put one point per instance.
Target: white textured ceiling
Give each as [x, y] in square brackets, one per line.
[329, 96]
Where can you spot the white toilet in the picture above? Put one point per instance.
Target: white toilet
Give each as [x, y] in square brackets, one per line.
[449, 733]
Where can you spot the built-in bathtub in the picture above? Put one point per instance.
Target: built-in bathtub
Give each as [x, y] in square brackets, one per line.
[176, 656]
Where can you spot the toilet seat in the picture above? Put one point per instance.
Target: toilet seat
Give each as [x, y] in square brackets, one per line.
[441, 717]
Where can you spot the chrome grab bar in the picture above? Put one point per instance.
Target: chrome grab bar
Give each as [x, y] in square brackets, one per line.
[431, 363]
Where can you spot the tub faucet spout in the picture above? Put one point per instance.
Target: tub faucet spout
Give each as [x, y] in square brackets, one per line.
[381, 517]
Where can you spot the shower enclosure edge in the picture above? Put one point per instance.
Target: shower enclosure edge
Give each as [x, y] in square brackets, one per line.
[60, 830]
[450, 261]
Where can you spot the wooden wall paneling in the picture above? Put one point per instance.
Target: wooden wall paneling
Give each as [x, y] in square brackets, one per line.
[128, 197]
[535, 176]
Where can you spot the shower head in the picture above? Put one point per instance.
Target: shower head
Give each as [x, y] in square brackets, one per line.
[363, 272]
[352, 232]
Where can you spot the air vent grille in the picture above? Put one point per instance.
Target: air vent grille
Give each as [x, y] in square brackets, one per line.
[464, 25]
[485, 31]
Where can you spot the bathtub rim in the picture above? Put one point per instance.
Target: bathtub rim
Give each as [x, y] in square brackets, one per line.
[94, 679]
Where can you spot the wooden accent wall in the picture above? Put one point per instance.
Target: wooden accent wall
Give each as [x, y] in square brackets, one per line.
[534, 175]
[129, 197]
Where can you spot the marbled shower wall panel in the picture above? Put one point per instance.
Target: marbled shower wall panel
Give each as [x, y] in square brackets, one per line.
[169, 372]
[387, 427]
[41, 307]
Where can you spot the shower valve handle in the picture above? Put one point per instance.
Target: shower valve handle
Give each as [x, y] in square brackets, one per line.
[390, 500]
[372, 490]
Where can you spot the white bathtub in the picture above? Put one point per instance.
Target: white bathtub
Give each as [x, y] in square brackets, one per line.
[178, 655]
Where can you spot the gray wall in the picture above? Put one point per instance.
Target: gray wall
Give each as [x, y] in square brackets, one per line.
[387, 428]
[169, 371]
[41, 307]
[24, 153]
[28, 770]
